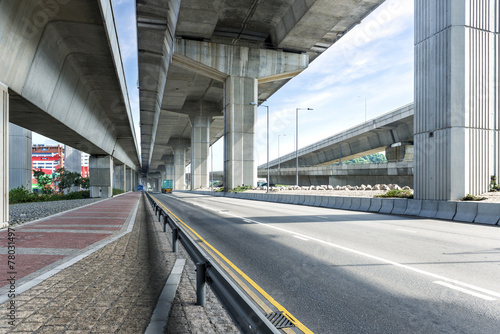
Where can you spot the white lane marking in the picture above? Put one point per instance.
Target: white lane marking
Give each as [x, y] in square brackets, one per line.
[248, 221]
[404, 230]
[473, 293]
[377, 258]
[301, 238]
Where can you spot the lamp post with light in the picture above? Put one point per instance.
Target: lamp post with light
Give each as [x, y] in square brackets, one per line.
[297, 143]
[267, 107]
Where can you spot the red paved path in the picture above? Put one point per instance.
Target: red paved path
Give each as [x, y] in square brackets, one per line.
[112, 212]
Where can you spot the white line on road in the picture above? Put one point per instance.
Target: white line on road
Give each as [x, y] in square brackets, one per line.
[473, 293]
[403, 230]
[301, 238]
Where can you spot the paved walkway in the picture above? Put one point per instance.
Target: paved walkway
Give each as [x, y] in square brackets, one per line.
[97, 269]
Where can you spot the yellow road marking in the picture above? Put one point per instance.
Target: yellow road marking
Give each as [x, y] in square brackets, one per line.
[270, 299]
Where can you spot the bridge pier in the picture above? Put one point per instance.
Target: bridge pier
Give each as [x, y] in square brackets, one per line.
[241, 70]
[101, 176]
[169, 167]
[179, 147]
[20, 164]
[72, 162]
[456, 98]
[119, 176]
[4, 162]
[128, 178]
[200, 140]
[239, 120]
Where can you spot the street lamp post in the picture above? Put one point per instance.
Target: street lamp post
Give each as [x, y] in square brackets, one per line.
[279, 157]
[361, 97]
[267, 107]
[297, 143]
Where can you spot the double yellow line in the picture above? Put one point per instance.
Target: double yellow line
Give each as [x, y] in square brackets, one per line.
[211, 250]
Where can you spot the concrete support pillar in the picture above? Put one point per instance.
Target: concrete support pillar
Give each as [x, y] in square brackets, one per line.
[456, 97]
[169, 167]
[4, 162]
[128, 178]
[239, 120]
[72, 162]
[101, 176]
[179, 168]
[119, 177]
[20, 164]
[200, 136]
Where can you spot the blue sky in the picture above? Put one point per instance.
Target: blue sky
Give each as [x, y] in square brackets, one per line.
[374, 61]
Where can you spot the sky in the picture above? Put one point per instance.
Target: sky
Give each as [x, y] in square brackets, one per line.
[371, 66]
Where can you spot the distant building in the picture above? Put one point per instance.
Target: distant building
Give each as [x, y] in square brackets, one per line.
[47, 158]
[85, 165]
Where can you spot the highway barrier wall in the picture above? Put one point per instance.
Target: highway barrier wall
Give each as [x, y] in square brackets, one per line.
[469, 212]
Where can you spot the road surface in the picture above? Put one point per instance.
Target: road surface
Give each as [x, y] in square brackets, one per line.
[343, 271]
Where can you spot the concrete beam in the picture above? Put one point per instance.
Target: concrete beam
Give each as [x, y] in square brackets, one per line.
[4, 162]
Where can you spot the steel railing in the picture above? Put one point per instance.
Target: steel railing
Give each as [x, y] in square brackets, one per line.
[246, 313]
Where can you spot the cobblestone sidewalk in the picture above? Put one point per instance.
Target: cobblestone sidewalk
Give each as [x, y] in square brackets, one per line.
[115, 289]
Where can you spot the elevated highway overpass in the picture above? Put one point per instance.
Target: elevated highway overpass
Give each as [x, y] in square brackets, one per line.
[202, 63]
[373, 136]
[61, 75]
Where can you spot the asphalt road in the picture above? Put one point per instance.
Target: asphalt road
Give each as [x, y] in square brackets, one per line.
[354, 272]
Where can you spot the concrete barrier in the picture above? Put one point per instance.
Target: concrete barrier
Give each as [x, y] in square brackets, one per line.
[338, 203]
[414, 207]
[466, 212]
[400, 205]
[376, 205]
[488, 213]
[331, 202]
[355, 203]
[309, 200]
[346, 205]
[446, 210]
[365, 204]
[318, 200]
[324, 201]
[302, 200]
[429, 209]
[387, 205]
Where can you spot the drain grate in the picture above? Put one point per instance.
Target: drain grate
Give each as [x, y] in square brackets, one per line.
[279, 320]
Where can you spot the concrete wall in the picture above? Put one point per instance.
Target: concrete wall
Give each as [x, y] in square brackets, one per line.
[20, 170]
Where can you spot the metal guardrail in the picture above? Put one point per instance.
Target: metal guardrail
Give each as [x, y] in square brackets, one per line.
[247, 314]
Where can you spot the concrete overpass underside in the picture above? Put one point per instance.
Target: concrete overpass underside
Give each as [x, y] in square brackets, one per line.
[61, 75]
[201, 64]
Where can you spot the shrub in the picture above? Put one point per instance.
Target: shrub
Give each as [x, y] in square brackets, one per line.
[470, 197]
[21, 195]
[117, 191]
[397, 194]
[240, 189]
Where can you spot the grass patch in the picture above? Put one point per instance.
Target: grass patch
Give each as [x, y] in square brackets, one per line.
[397, 194]
[240, 189]
[117, 191]
[23, 195]
[470, 197]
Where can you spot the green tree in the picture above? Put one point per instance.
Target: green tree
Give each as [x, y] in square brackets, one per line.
[44, 181]
[67, 179]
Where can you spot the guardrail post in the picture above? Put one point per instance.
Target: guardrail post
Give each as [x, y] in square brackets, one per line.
[175, 237]
[201, 270]
[165, 221]
[159, 215]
